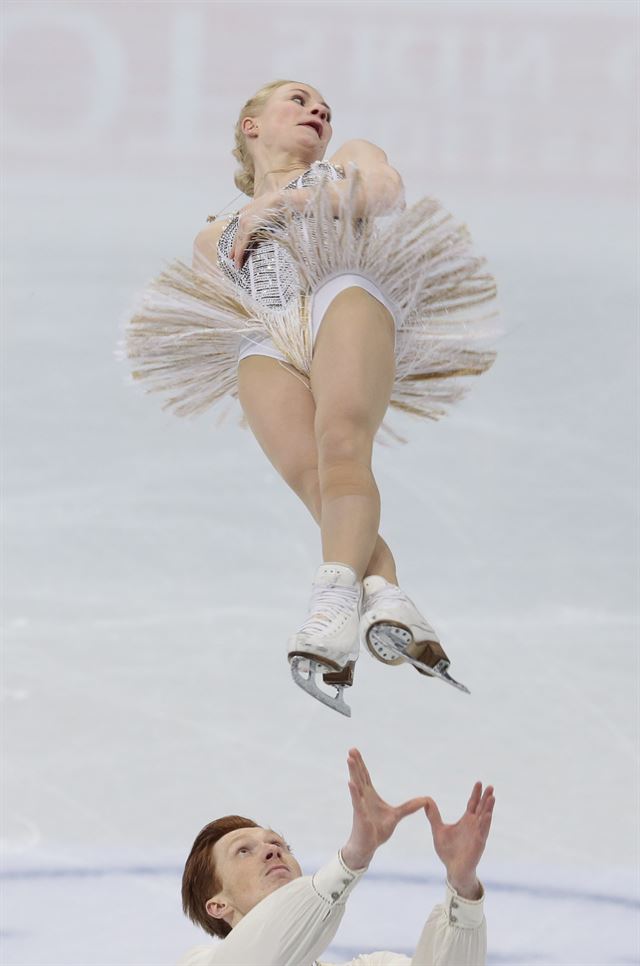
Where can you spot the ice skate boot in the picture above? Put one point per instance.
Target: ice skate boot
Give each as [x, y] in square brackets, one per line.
[394, 631]
[327, 644]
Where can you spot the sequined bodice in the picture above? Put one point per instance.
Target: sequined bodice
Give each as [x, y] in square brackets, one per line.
[268, 274]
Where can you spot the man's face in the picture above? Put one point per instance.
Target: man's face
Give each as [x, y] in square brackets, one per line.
[250, 864]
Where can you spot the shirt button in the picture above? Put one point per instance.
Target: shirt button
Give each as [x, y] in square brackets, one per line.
[335, 895]
[454, 904]
[453, 918]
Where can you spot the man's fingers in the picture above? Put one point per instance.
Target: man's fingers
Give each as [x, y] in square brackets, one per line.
[487, 811]
[474, 799]
[365, 771]
[408, 808]
[359, 765]
[355, 794]
[484, 825]
[354, 763]
[486, 796]
[433, 813]
[354, 772]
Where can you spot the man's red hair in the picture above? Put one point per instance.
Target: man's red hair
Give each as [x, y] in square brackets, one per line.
[200, 880]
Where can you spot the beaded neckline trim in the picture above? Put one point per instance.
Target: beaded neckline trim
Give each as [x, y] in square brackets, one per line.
[314, 164]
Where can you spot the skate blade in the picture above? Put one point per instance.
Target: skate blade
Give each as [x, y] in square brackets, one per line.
[399, 641]
[304, 671]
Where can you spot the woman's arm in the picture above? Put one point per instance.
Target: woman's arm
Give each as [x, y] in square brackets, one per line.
[205, 246]
[381, 189]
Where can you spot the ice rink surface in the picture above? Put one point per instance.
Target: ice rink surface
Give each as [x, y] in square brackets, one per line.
[154, 567]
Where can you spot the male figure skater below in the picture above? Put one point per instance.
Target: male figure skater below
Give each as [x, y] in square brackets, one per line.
[242, 883]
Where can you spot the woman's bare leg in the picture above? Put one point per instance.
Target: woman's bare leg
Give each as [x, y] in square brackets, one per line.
[281, 413]
[352, 377]
[382, 562]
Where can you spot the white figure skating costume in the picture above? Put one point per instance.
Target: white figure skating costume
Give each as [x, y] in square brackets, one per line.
[269, 276]
[192, 327]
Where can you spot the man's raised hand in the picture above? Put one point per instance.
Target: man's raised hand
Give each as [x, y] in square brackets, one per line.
[460, 846]
[374, 821]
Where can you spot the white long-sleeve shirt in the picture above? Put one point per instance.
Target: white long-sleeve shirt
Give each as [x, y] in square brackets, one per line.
[295, 924]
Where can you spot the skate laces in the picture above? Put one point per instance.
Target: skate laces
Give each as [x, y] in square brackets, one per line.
[326, 604]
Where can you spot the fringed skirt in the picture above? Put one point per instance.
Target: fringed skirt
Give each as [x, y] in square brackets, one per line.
[182, 339]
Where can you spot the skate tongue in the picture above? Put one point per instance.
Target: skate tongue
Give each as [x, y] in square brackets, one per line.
[374, 583]
[335, 574]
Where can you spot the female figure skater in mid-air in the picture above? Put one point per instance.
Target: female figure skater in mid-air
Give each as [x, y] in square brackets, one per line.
[317, 314]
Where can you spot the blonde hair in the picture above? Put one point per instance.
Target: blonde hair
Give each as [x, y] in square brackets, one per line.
[244, 176]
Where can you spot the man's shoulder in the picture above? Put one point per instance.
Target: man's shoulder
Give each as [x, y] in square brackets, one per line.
[198, 956]
[374, 959]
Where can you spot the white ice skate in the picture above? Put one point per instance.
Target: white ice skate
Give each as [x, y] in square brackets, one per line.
[394, 631]
[327, 644]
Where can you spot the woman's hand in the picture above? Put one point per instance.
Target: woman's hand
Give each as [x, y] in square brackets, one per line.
[253, 216]
[374, 821]
[460, 846]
